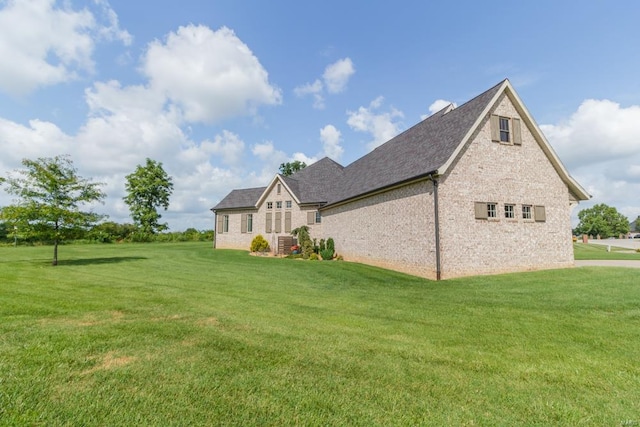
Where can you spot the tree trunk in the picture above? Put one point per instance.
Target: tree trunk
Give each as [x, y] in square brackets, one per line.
[55, 252]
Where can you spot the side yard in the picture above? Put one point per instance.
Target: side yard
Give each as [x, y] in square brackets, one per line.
[179, 334]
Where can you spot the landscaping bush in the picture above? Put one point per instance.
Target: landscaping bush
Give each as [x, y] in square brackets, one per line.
[313, 257]
[327, 255]
[259, 244]
[328, 252]
[304, 240]
[331, 245]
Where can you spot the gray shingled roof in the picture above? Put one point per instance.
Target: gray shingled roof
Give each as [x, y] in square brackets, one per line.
[416, 152]
[315, 183]
[240, 199]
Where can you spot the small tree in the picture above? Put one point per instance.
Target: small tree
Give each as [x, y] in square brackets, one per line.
[148, 188]
[289, 168]
[50, 194]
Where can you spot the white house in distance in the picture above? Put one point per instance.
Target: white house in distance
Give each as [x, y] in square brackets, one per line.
[470, 190]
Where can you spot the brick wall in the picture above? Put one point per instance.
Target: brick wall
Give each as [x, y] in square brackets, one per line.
[505, 174]
[392, 230]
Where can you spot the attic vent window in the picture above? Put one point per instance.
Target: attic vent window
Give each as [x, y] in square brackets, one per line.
[504, 130]
[279, 188]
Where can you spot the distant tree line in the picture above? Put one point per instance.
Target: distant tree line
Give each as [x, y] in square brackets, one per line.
[106, 232]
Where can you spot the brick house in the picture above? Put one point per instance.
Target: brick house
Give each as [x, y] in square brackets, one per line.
[470, 190]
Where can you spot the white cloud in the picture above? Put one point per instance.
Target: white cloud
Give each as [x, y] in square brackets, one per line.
[210, 75]
[331, 139]
[599, 130]
[314, 89]
[381, 126]
[127, 123]
[39, 139]
[336, 76]
[271, 159]
[112, 31]
[228, 146]
[44, 44]
[599, 144]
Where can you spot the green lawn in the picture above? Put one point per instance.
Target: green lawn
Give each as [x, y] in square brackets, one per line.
[584, 251]
[180, 334]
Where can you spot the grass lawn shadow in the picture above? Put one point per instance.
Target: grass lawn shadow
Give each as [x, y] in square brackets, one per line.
[104, 260]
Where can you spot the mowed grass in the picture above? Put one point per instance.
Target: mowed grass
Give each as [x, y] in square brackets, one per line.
[180, 334]
[584, 251]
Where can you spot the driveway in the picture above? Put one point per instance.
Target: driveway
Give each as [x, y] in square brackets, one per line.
[621, 243]
[607, 263]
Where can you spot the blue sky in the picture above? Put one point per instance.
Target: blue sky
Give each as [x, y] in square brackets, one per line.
[222, 92]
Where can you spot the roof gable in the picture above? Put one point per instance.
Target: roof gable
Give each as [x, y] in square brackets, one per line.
[419, 151]
[431, 147]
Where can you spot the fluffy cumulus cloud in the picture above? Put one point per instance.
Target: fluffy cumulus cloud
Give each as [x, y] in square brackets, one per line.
[382, 126]
[331, 139]
[210, 75]
[599, 144]
[48, 43]
[194, 75]
[336, 76]
[334, 80]
[228, 146]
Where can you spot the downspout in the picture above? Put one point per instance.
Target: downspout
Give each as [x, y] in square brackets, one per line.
[215, 232]
[436, 218]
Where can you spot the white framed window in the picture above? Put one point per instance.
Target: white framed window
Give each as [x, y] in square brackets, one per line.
[492, 210]
[225, 223]
[526, 212]
[509, 211]
[287, 204]
[278, 205]
[505, 132]
[269, 205]
[249, 223]
[318, 217]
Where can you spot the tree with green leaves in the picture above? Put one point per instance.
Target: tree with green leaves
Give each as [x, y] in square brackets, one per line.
[602, 220]
[148, 188]
[49, 197]
[289, 168]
